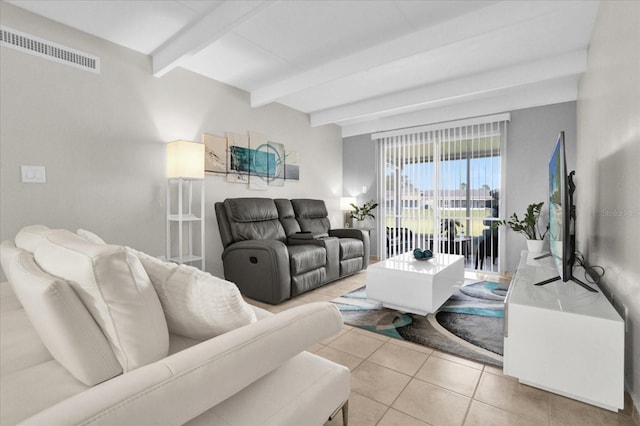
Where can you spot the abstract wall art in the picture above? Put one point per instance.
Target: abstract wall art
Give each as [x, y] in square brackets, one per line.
[215, 153]
[292, 166]
[237, 158]
[259, 162]
[276, 155]
[250, 158]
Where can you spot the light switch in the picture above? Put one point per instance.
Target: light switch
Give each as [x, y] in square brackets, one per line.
[34, 174]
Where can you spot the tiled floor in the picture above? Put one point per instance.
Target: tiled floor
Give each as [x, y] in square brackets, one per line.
[396, 383]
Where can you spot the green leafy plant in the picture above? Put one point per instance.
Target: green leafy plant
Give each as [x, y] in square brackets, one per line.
[364, 211]
[528, 226]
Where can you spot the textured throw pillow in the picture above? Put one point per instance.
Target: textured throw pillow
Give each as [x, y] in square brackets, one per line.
[63, 323]
[196, 304]
[116, 290]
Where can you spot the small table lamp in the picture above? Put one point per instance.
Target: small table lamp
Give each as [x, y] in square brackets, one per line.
[345, 206]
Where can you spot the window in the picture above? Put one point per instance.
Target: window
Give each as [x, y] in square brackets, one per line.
[456, 167]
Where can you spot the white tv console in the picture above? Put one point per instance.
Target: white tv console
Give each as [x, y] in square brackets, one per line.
[562, 338]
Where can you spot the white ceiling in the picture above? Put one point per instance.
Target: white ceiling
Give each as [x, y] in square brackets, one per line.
[364, 65]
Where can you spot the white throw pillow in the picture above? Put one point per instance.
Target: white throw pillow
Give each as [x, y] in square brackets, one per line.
[90, 236]
[63, 323]
[196, 304]
[116, 290]
[30, 237]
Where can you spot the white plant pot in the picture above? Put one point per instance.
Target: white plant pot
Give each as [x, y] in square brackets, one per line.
[358, 223]
[535, 246]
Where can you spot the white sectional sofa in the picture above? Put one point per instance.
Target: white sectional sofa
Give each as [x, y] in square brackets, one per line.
[98, 334]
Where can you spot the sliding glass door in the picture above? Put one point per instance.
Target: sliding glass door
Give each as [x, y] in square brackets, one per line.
[440, 190]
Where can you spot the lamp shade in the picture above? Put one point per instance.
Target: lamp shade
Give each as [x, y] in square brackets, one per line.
[185, 159]
[345, 203]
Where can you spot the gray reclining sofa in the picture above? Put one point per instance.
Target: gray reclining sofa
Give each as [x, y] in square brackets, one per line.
[276, 249]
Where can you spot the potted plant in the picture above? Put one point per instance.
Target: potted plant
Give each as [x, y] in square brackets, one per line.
[528, 226]
[360, 213]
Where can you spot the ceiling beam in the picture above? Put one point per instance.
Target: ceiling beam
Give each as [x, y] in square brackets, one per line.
[482, 21]
[549, 68]
[211, 27]
[533, 95]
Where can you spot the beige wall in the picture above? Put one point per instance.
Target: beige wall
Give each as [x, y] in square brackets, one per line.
[102, 140]
[608, 167]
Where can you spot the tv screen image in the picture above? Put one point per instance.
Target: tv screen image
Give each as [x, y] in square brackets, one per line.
[559, 220]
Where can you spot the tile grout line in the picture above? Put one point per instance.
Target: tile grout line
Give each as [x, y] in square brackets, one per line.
[403, 389]
[473, 395]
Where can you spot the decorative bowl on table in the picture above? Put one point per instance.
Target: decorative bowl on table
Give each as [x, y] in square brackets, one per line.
[420, 254]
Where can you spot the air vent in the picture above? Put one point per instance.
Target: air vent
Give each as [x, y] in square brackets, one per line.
[49, 50]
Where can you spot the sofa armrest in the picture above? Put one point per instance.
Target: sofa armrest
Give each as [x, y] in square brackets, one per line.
[356, 233]
[180, 387]
[260, 269]
[306, 236]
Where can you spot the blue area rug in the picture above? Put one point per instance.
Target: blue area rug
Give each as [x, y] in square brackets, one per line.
[469, 324]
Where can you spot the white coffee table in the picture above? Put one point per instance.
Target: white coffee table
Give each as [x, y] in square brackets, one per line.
[416, 286]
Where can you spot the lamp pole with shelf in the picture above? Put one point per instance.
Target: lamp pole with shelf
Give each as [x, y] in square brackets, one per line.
[185, 165]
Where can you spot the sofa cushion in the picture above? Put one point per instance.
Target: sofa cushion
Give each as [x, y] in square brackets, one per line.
[90, 236]
[302, 283]
[312, 215]
[29, 237]
[351, 248]
[309, 209]
[116, 290]
[254, 219]
[26, 392]
[251, 209]
[196, 304]
[8, 299]
[350, 266]
[309, 387]
[20, 345]
[60, 319]
[306, 257]
[287, 216]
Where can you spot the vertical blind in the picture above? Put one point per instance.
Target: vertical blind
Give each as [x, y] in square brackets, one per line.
[439, 188]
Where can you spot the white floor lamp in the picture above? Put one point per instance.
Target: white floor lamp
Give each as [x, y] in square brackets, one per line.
[185, 165]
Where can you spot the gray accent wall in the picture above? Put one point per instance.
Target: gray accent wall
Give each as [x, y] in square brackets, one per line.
[532, 135]
[608, 198]
[359, 174]
[102, 140]
[531, 138]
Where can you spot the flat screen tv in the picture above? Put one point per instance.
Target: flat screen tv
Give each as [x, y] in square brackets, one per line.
[560, 242]
[562, 216]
